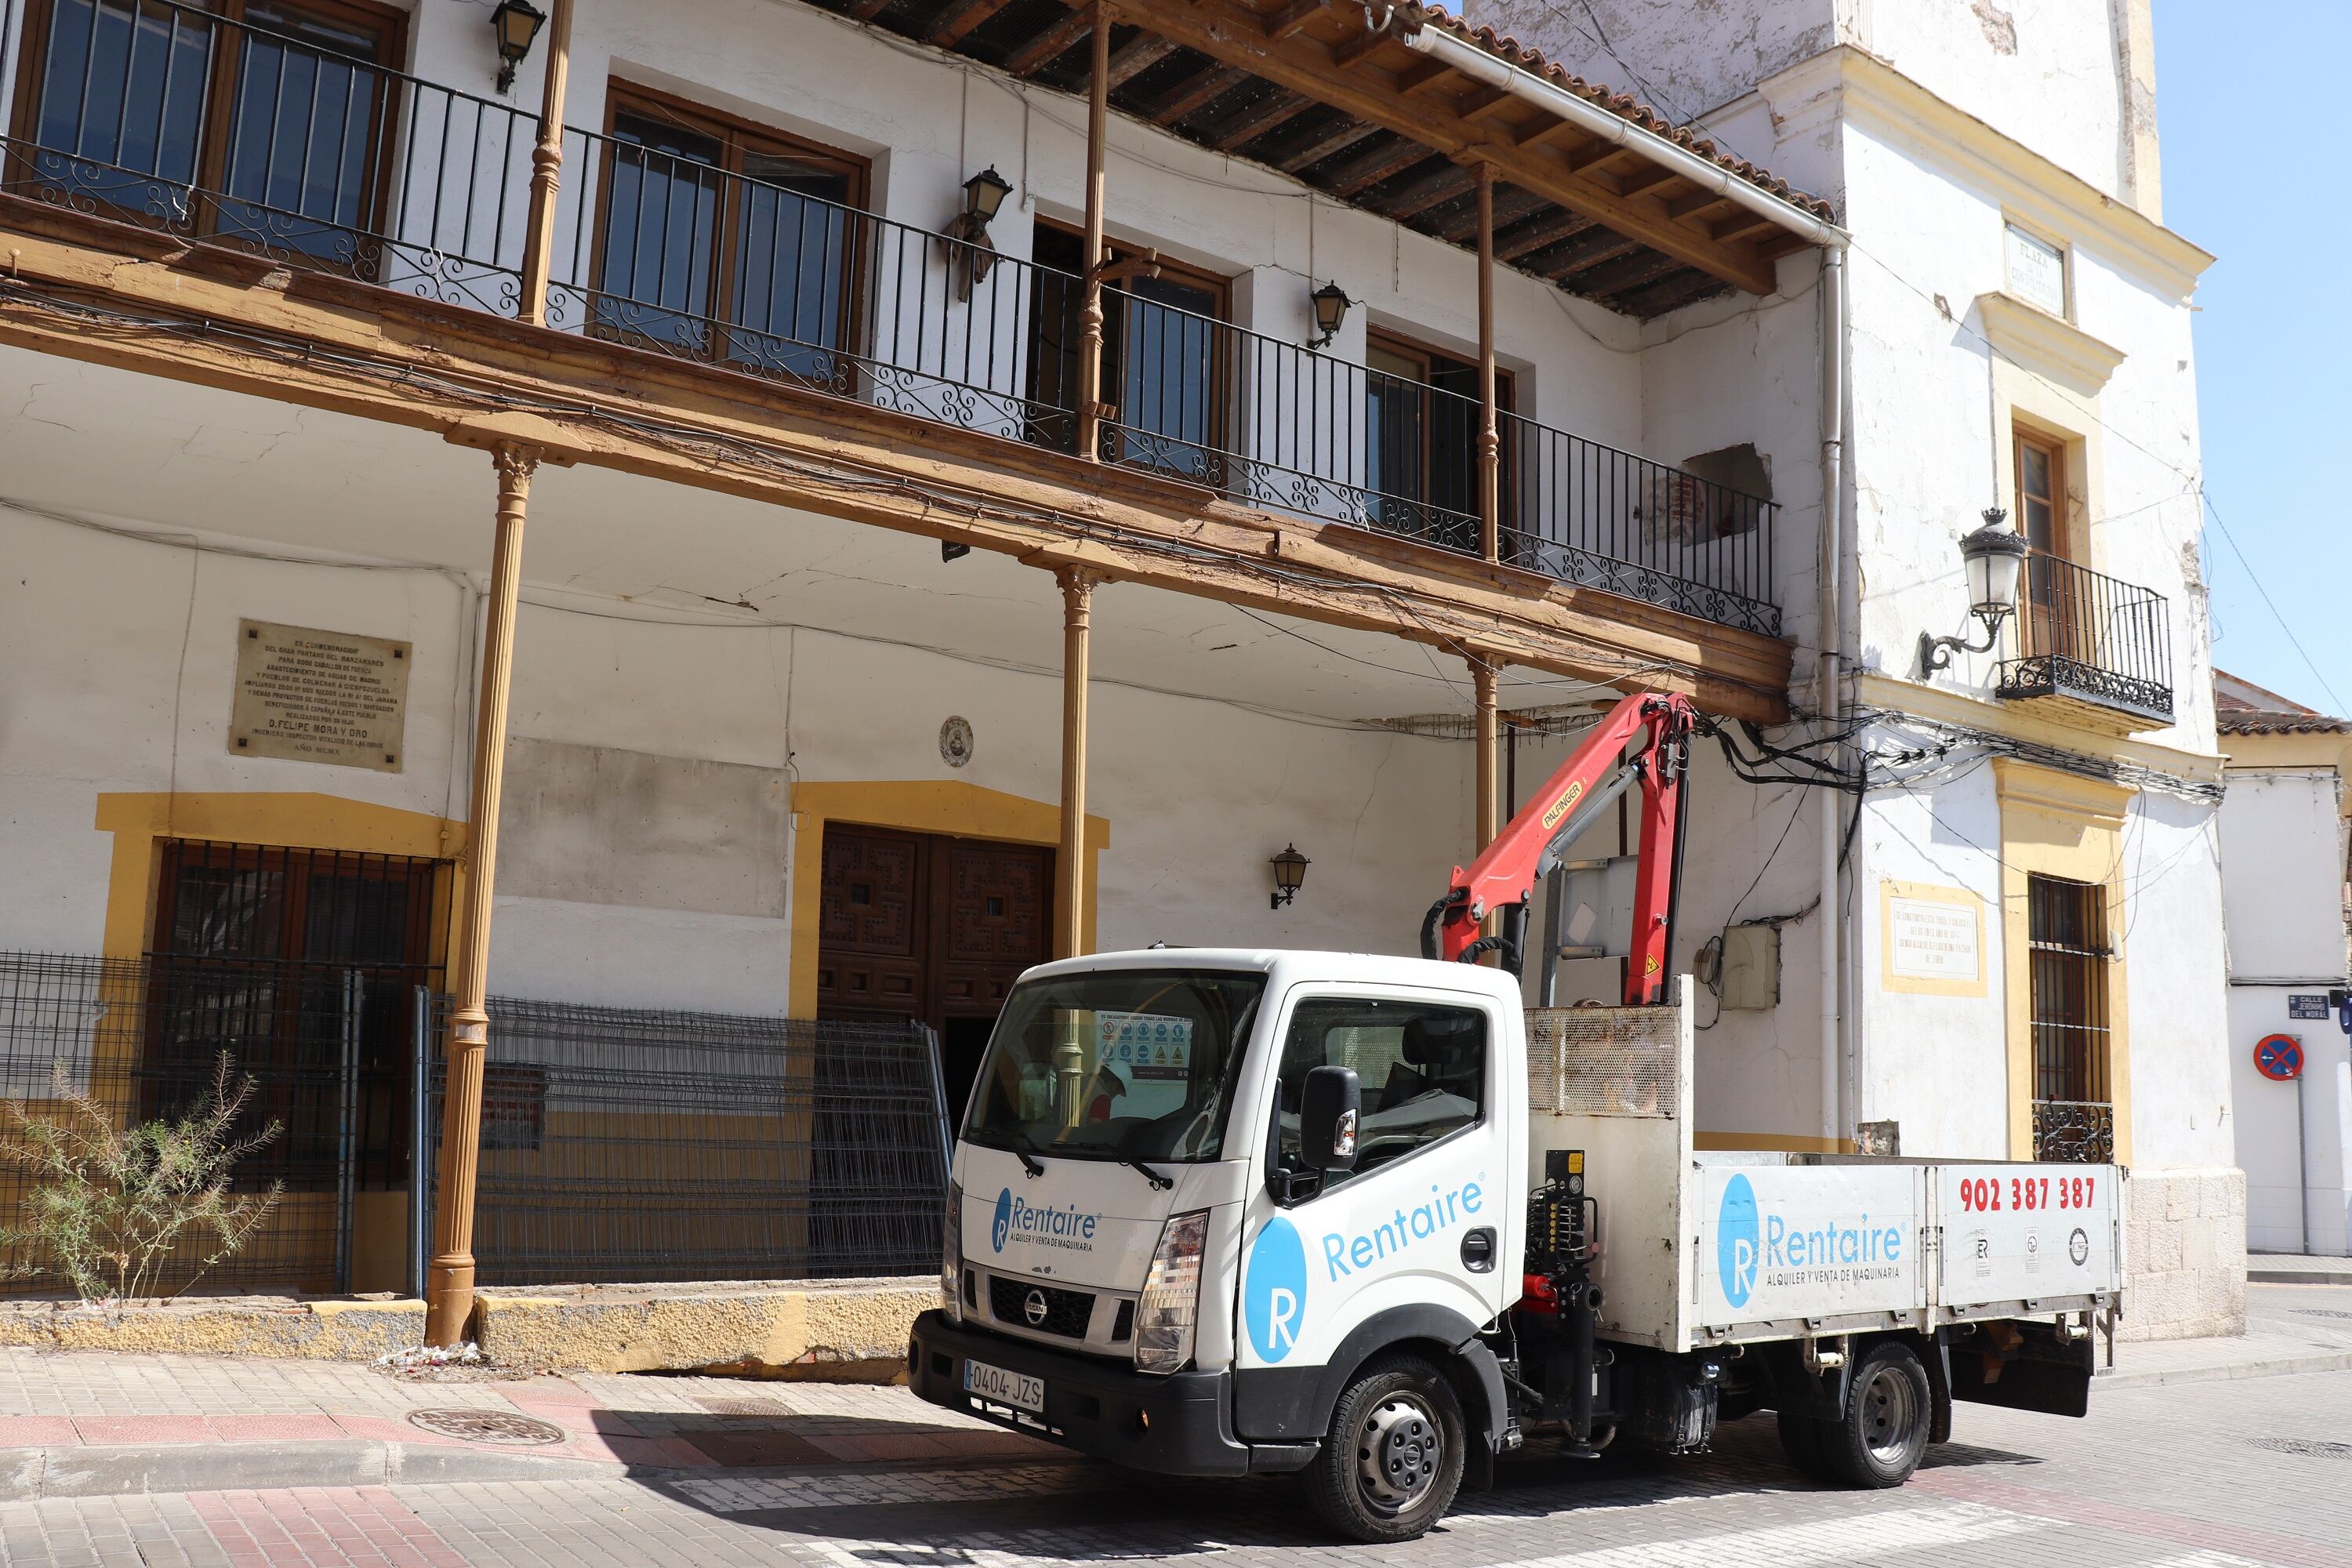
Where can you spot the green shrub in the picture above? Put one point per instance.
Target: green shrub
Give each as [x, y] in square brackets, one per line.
[117, 1210]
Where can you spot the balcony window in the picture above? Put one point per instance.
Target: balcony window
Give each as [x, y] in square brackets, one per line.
[1164, 362]
[264, 124]
[1420, 435]
[719, 240]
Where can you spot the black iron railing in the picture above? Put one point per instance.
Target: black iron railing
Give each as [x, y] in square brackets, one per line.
[2080, 633]
[2074, 1129]
[297, 150]
[307, 152]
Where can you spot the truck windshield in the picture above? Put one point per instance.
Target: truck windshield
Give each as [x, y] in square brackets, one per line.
[1124, 1064]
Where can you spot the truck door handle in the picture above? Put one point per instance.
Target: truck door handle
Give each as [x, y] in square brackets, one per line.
[1478, 1250]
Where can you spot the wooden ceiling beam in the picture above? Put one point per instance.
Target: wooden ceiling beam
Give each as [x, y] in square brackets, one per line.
[1211, 83]
[1248, 127]
[1339, 139]
[1421, 77]
[1426, 192]
[1696, 204]
[1379, 163]
[866, 10]
[1646, 180]
[1286, 20]
[1511, 205]
[1053, 42]
[1139, 55]
[1485, 102]
[961, 20]
[1562, 225]
[1589, 251]
[1742, 223]
[1231, 34]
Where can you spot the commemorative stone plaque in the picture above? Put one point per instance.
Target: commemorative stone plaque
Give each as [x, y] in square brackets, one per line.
[314, 696]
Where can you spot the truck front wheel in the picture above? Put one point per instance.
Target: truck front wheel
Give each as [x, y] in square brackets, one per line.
[1879, 1441]
[1393, 1462]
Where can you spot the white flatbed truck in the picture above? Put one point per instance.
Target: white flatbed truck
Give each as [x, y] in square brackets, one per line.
[1222, 1212]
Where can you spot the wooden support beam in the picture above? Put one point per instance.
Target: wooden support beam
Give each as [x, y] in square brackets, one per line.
[1485, 102]
[1510, 206]
[1490, 440]
[1248, 127]
[1438, 185]
[1624, 272]
[1545, 133]
[1537, 236]
[1139, 55]
[1286, 20]
[1070, 860]
[1213, 82]
[449, 1278]
[1601, 245]
[1054, 43]
[1482, 686]
[546, 170]
[1339, 139]
[961, 20]
[1641, 182]
[1740, 223]
[1696, 204]
[1370, 169]
[866, 10]
[1420, 78]
[1231, 33]
[1090, 307]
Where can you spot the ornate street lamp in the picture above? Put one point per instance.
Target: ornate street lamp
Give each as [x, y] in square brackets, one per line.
[1289, 871]
[1331, 304]
[517, 24]
[1991, 557]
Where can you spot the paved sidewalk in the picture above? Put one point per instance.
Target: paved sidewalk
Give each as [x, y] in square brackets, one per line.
[2289, 1328]
[2291, 1268]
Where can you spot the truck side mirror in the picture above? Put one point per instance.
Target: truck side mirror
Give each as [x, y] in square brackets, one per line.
[1328, 1108]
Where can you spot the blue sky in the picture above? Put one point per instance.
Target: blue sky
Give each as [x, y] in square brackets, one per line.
[2247, 101]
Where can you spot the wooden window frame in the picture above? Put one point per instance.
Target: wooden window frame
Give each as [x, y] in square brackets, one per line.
[736, 136]
[211, 171]
[1383, 340]
[2046, 621]
[2091, 1022]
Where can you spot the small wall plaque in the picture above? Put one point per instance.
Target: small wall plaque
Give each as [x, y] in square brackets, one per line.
[312, 696]
[955, 741]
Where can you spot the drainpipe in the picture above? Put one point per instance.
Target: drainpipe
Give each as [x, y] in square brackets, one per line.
[1827, 695]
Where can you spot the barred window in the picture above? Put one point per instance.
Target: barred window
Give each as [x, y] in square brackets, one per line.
[2067, 939]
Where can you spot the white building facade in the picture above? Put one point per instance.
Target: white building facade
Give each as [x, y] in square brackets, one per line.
[773, 752]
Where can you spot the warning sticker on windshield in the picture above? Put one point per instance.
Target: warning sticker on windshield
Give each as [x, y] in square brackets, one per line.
[1148, 1045]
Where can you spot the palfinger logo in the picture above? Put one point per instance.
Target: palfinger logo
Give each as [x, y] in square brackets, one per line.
[1567, 798]
[1003, 1223]
[1739, 1239]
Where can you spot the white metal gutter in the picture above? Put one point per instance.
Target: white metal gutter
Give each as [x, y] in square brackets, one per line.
[1478, 65]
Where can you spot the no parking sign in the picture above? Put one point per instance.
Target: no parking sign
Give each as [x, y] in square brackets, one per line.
[2279, 1058]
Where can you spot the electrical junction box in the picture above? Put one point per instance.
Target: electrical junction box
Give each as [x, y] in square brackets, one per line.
[1751, 967]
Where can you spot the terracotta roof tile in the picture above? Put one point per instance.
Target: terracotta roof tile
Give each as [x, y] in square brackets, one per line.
[1627, 108]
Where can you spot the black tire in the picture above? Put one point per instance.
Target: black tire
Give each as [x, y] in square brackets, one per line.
[1392, 1460]
[1801, 1437]
[1888, 1408]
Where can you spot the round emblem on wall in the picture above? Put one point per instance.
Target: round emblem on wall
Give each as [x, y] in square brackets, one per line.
[955, 741]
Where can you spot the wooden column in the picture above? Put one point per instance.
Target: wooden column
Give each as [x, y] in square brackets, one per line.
[1070, 866]
[1090, 317]
[546, 169]
[1482, 682]
[1490, 440]
[449, 1284]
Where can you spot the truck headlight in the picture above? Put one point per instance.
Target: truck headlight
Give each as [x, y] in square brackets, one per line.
[951, 1256]
[1172, 1295]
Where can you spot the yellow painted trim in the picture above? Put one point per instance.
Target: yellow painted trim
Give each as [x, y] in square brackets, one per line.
[1771, 1142]
[1929, 892]
[2060, 825]
[294, 819]
[1938, 703]
[2029, 186]
[949, 806]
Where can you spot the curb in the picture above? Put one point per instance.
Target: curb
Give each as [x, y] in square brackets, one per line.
[2226, 1372]
[28, 1475]
[2300, 1276]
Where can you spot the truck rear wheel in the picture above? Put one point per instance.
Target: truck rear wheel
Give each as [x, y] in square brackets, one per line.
[1394, 1459]
[1879, 1438]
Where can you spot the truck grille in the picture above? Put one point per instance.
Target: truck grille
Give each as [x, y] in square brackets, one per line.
[1066, 1311]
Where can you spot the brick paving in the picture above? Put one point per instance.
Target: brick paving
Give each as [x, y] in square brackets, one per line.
[2247, 1472]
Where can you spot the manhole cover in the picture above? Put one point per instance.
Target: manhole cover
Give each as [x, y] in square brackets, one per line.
[2308, 1445]
[487, 1427]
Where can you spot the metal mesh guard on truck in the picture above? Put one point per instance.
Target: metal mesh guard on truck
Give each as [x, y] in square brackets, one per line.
[1601, 1061]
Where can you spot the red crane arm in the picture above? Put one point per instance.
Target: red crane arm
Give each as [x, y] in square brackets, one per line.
[1502, 877]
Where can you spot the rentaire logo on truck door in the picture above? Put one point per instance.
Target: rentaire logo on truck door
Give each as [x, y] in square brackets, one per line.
[1273, 1298]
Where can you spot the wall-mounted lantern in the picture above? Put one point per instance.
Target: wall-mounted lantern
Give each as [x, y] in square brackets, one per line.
[1991, 556]
[971, 255]
[517, 24]
[1289, 871]
[1331, 304]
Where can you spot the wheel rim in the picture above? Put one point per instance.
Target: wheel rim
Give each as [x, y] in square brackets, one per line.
[1400, 1448]
[1890, 1414]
